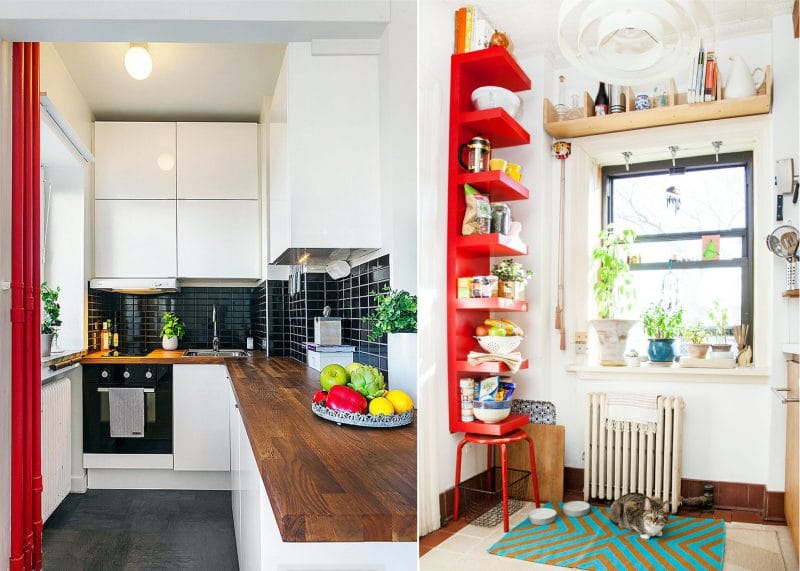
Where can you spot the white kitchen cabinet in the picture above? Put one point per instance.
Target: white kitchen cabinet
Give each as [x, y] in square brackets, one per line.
[219, 239]
[201, 425]
[218, 160]
[326, 175]
[134, 160]
[252, 490]
[235, 424]
[135, 239]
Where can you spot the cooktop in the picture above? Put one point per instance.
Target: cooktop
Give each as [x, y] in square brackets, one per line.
[130, 350]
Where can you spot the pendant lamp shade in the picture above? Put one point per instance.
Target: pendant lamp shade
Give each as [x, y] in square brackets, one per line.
[631, 41]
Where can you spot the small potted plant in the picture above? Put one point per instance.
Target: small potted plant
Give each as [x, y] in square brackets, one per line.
[172, 330]
[662, 324]
[695, 341]
[50, 319]
[512, 279]
[633, 359]
[613, 293]
[718, 315]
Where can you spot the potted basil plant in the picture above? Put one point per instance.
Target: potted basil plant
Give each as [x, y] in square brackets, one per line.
[695, 341]
[613, 294]
[718, 315]
[395, 319]
[172, 330]
[512, 279]
[662, 324]
[50, 319]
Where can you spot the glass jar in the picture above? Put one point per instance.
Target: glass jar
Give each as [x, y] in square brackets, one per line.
[493, 286]
[501, 218]
[477, 286]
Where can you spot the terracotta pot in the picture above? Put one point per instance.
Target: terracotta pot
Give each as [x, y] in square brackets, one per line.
[511, 290]
[697, 350]
[721, 347]
[612, 335]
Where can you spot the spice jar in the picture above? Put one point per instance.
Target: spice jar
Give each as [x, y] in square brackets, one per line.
[501, 218]
[477, 286]
[493, 285]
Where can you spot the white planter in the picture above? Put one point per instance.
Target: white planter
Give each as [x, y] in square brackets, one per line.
[169, 343]
[403, 363]
[612, 335]
[47, 343]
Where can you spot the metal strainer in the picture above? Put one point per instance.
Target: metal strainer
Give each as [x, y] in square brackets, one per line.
[783, 241]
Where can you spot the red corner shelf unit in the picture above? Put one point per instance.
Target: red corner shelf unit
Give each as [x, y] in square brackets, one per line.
[471, 255]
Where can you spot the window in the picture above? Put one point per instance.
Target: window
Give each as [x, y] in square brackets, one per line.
[694, 233]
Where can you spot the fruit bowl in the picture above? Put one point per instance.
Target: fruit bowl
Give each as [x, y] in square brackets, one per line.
[365, 420]
[491, 96]
[491, 411]
[497, 344]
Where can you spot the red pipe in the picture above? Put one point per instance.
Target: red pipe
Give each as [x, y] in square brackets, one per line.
[28, 262]
[16, 560]
[36, 350]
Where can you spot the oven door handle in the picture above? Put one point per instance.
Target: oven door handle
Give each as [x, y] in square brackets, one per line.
[105, 390]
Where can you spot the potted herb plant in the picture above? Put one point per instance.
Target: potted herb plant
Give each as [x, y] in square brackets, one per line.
[613, 293]
[172, 329]
[396, 318]
[718, 315]
[512, 279]
[662, 324]
[50, 319]
[695, 341]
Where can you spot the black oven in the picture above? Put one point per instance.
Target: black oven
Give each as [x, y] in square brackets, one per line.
[156, 380]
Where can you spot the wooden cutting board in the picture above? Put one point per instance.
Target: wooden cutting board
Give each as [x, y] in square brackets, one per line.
[548, 443]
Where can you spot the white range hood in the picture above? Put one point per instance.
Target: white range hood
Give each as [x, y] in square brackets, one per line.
[136, 285]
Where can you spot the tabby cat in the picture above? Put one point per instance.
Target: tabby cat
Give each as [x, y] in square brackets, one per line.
[646, 516]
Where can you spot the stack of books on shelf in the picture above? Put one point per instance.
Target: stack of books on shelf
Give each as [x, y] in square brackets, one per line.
[704, 80]
[472, 31]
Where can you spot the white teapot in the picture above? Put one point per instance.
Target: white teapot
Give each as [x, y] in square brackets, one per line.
[741, 82]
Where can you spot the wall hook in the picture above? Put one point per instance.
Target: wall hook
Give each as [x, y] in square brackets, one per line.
[673, 149]
[627, 157]
[716, 145]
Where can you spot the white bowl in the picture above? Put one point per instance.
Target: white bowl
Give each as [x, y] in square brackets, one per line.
[491, 411]
[491, 96]
[576, 509]
[498, 344]
[542, 516]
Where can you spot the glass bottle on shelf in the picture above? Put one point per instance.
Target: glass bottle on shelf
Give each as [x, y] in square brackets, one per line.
[562, 110]
[576, 111]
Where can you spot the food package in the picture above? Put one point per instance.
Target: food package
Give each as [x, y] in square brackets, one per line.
[496, 389]
[478, 216]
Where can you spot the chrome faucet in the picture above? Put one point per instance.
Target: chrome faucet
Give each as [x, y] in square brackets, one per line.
[215, 340]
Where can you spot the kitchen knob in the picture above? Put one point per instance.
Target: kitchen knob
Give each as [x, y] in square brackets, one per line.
[148, 375]
[104, 374]
[126, 375]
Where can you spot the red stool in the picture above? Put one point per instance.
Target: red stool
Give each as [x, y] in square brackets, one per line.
[502, 441]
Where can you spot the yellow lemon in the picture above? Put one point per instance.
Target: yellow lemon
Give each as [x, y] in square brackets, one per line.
[380, 405]
[400, 400]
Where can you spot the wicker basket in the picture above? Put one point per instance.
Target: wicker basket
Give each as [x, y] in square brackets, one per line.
[481, 497]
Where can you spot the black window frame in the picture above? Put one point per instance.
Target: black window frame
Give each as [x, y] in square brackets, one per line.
[705, 162]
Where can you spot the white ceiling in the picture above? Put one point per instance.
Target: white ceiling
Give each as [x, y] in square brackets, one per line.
[532, 25]
[210, 82]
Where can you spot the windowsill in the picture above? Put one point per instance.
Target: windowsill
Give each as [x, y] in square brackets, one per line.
[738, 376]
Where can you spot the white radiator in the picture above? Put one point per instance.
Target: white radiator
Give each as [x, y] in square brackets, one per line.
[622, 457]
[56, 443]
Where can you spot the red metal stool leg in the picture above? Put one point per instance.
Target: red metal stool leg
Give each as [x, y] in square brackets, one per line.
[504, 468]
[458, 479]
[534, 477]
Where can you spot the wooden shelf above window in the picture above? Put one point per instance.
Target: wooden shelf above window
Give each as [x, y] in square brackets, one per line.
[791, 293]
[497, 184]
[491, 245]
[674, 114]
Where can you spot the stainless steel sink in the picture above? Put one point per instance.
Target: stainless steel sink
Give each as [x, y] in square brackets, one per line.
[212, 353]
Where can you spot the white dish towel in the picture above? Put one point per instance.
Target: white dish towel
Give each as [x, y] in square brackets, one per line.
[126, 412]
[632, 407]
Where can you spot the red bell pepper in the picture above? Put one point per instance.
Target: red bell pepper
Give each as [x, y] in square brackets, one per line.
[320, 397]
[346, 399]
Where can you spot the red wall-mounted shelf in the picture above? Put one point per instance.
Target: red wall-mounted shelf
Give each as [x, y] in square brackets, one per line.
[471, 255]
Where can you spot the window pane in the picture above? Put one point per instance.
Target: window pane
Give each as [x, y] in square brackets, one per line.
[697, 289]
[712, 199]
[686, 250]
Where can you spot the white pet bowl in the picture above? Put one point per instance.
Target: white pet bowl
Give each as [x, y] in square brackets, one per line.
[576, 509]
[491, 96]
[497, 344]
[542, 516]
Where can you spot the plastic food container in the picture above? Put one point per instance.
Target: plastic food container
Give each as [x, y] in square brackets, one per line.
[491, 411]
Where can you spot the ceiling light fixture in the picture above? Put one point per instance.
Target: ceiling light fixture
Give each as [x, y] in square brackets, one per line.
[630, 41]
[138, 62]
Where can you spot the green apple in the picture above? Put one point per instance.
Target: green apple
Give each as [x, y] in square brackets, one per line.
[352, 367]
[497, 332]
[333, 375]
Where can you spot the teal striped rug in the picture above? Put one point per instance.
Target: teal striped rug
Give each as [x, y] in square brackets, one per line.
[594, 542]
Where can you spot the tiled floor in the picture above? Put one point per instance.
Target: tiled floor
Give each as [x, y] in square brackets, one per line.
[460, 547]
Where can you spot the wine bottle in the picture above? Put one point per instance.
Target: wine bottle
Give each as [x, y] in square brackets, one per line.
[114, 334]
[601, 101]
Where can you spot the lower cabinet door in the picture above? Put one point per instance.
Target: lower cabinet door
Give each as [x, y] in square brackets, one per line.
[201, 425]
[251, 556]
[236, 473]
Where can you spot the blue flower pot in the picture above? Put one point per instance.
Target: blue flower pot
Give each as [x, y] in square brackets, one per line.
[661, 350]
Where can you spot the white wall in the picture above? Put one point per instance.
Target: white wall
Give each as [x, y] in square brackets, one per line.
[717, 444]
[5, 298]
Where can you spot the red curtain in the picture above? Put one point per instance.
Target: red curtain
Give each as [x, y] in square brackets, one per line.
[26, 472]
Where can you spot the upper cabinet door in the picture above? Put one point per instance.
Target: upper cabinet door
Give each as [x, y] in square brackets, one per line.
[218, 160]
[134, 160]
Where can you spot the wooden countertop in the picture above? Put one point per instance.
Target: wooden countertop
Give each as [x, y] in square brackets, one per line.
[325, 482]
